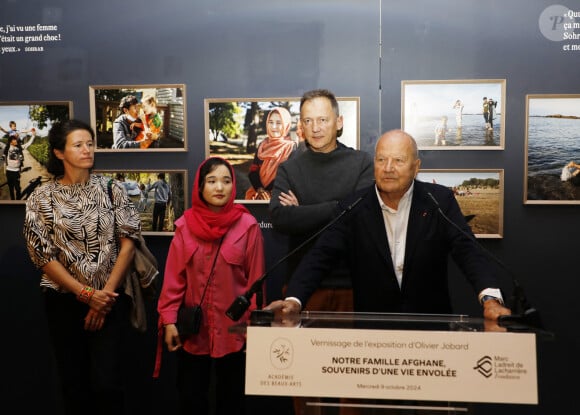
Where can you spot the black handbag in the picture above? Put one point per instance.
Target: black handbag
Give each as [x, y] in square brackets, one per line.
[189, 320]
[189, 317]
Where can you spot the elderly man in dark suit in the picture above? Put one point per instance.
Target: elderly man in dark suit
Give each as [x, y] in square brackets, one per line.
[397, 243]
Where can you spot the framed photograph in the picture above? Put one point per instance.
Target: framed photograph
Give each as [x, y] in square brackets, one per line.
[139, 117]
[456, 114]
[552, 168]
[24, 130]
[237, 127]
[479, 193]
[142, 186]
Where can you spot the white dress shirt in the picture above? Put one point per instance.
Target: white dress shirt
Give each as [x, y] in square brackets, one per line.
[396, 222]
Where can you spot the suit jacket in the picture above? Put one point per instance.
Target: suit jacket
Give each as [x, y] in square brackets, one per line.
[360, 236]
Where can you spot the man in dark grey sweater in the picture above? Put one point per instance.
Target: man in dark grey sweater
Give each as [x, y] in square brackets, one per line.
[309, 185]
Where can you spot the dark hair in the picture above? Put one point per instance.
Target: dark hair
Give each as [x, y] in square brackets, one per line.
[57, 141]
[322, 93]
[208, 166]
[127, 101]
[7, 146]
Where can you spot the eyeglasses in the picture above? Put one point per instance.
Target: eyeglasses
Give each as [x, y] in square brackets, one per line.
[275, 124]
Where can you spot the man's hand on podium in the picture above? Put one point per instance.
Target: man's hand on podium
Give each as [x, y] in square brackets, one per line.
[286, 312]
[492, 325]
[492, 309]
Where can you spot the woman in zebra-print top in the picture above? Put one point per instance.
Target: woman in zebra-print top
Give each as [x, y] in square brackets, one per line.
[71, 228]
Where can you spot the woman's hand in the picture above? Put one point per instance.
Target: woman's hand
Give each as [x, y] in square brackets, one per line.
[94, 320]
[262, 194]
[172, 339]
[103, 301]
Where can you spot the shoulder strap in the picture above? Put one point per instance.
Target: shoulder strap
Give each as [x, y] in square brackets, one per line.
[211, 270]
[110, 189]
[110, 193]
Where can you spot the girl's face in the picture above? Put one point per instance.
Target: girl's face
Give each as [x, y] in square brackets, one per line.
[147, 107]
[275, 126]
[79, 151]
[217, 188]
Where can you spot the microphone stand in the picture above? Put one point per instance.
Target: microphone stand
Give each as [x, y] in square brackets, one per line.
[242, 302]
[523, 314]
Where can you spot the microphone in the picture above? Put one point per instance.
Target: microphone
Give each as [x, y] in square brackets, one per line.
[523, 314]
[242, 302]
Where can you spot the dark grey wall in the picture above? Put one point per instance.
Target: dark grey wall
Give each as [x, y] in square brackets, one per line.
[231, 49]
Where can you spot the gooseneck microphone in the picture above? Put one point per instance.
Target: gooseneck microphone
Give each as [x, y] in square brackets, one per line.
[522, 312]
[242, 302]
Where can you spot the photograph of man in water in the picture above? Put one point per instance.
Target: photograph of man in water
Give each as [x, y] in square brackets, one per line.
[473, 109]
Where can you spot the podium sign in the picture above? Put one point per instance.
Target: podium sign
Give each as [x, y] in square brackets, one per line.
[392, 364]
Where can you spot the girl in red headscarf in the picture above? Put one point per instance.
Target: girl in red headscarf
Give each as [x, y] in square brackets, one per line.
[217, 248]
[275, 149]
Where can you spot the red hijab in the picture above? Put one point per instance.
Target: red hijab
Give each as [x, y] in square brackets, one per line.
[205, 223]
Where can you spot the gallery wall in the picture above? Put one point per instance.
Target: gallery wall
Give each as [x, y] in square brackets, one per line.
[257, 49]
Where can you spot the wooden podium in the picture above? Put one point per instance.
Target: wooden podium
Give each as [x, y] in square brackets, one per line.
[381, 360]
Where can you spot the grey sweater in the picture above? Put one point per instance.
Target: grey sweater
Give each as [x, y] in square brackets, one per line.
[319, 181]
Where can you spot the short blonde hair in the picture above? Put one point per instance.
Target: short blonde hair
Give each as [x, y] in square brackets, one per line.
[150, 99]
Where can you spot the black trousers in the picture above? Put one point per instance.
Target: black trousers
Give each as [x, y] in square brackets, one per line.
[226, 375]
[13, 179]
[159, 215]
[90, 364]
